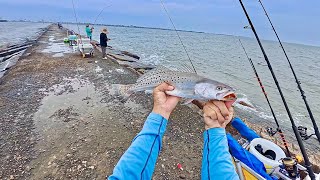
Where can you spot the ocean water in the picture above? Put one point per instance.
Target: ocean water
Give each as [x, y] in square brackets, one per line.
[18, 32]
[220, 57]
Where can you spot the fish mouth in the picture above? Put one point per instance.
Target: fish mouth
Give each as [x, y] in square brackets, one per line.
[230, 96]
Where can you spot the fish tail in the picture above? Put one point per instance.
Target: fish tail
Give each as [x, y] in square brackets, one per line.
[122, 90]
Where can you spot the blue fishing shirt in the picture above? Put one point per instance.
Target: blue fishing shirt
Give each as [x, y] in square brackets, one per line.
[139, 161]
[88, 31]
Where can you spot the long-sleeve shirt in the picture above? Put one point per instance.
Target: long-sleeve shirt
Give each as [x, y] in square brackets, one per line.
[139, 161]
[103, 39]
[216, 160]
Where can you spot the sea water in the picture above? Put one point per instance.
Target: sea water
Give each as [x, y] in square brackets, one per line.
[18, 32]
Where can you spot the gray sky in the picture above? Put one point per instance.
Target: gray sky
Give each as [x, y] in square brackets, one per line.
[295, 20]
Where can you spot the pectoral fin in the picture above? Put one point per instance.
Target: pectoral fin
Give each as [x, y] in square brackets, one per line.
[186, 101]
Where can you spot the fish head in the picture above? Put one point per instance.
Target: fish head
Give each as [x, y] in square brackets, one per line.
[209, 89]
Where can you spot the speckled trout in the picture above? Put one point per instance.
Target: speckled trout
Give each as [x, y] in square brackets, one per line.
[187, 85]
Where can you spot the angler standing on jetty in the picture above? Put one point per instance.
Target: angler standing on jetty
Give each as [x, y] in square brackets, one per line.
[139, 161]
[89, 31]
[104, 42]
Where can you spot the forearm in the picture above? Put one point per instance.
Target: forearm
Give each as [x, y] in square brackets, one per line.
[138, 162]
[216, 160]
[243, 129]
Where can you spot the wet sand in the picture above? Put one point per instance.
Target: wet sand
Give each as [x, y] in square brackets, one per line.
[60, 120]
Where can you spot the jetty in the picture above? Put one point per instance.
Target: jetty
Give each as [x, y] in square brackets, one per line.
[59, 118]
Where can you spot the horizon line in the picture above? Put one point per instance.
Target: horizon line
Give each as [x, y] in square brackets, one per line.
[157, 28]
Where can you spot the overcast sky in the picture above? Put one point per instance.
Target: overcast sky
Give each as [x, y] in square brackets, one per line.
[295, 20]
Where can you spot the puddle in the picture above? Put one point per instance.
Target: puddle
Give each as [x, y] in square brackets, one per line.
[59, 48]
[58, 55]
[76, 96]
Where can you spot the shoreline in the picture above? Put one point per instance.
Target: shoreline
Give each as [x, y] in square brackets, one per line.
[61, 119]
[168, 29]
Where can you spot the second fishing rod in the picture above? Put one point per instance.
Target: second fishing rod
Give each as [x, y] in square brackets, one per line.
[294, 127]
[315, 127]
[266, 96]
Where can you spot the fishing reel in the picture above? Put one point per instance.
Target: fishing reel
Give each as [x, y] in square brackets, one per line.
[303, 133]
[271, 132]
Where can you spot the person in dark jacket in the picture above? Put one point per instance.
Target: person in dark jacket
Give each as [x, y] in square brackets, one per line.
[103, 42]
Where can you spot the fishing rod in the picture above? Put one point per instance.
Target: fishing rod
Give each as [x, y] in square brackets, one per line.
[265, 95]
[175, 29]
[100, 14]
[75, 15]
[315, 127]
[294, 127]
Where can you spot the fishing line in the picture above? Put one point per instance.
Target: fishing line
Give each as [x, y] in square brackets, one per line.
[294, 127]
[315, 127]
[75, 15]
[175, 29]
[100, 14]
[265, 95]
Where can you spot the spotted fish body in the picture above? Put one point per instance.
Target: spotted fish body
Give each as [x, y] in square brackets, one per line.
[187, 85]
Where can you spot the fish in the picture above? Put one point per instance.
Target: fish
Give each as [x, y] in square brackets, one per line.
[187, 85]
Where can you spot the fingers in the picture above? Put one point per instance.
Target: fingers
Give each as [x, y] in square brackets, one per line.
[210, 109]
[223, 108]
[231, 112]
[216, 114]
[210, 112]
[164, 87]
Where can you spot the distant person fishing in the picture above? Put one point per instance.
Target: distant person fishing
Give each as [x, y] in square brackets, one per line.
[104, 42]
[89, 31]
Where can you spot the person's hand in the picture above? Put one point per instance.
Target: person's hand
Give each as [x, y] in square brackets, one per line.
[164, 104]
[217, 114]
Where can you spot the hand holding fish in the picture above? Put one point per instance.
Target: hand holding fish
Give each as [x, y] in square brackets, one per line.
[217, 114]
[164, 104]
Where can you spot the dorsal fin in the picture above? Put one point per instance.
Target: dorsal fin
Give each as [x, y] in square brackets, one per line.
[181, 67]
[158, 70]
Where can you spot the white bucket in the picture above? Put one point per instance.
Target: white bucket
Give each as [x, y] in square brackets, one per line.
[267, 145]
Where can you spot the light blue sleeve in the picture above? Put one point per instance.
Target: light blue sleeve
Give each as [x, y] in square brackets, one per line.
[138, 162]
[216, 159]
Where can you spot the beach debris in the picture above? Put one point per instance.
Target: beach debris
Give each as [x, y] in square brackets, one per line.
[182, 176]
[179, 166]
[243, 103]
[187, 85]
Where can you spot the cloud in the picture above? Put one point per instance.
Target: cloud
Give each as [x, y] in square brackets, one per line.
[295, 20]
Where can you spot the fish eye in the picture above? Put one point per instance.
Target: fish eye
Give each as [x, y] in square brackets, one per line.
[219, 88]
